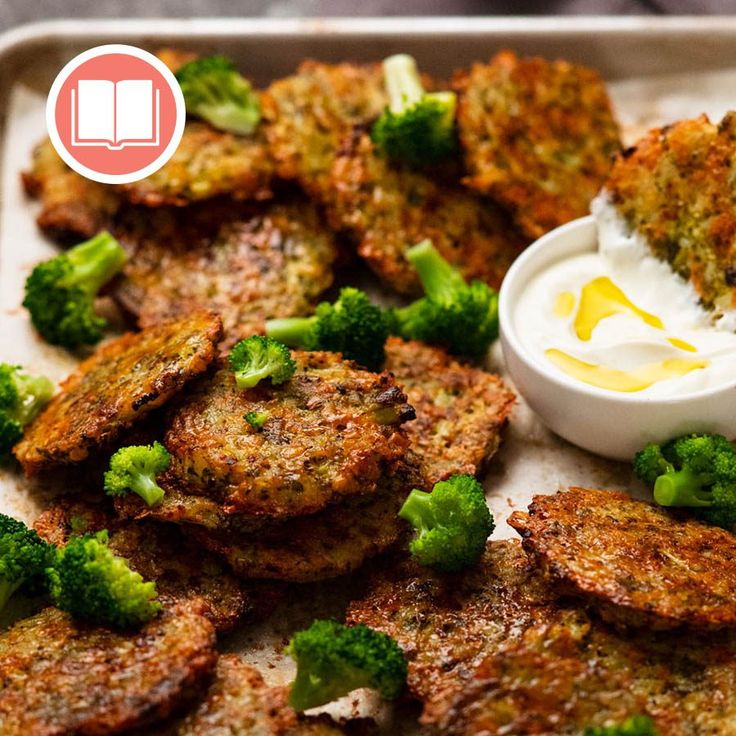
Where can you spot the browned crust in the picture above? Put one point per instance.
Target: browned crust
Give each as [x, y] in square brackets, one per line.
[322, 441]
[60, 677]
[461, 411]
[632, 560]
[118, 385]
[539, 137]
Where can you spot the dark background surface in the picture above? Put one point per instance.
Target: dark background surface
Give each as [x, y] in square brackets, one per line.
[16, 12]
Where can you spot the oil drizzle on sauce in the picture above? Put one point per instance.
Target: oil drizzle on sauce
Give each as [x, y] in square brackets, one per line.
[564, 304]
[613, 379]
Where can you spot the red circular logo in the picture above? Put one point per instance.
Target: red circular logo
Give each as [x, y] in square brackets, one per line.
[115, 114]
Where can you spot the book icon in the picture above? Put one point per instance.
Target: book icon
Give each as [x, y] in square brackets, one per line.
[115, 114]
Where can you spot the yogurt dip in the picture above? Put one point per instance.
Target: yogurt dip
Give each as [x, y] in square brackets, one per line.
[621, 320]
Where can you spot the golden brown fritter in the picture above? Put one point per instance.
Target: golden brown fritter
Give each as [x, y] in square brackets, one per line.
[333, 431]
[73, 208]
[539, 137]
[61, 678]
[675, 188]
[307, 115]
[118, 385]
[493, 651]
[461, 411]
[273, 261]
[207, 163]
[159, 552]
[388, 209]
[633, 560]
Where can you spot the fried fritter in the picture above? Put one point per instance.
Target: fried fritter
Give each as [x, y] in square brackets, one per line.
[331, 432]
[61, 678]
[539, 137]
[239, 703]
[159, 552]
[207, 163]
[73, 208]
[675, 188]
[632, 560]
[493, 651]
[273, 261]
[307, 115]
[461, 411]
[118, 385]
[388, 209]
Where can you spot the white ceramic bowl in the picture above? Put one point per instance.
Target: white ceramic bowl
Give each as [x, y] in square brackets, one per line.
[607, 423]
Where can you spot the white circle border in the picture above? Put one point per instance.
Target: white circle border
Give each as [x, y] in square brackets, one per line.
[63, 75]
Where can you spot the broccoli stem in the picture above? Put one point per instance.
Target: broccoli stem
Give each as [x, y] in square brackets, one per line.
[439, 279]
[95, 262]
[417, 510]
[403, 83]
[7, 588]
[291, 330]
[682, 488]
[34, 392]
[147, 488]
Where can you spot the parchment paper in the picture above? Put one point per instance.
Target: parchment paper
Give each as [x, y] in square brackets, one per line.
[532, 459]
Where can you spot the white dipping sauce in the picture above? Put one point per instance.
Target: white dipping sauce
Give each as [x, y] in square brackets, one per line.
[631, 349]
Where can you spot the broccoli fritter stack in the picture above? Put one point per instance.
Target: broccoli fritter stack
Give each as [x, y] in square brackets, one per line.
[675, 188]
[539, 137]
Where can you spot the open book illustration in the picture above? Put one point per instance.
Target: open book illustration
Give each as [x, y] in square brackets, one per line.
[115, 114]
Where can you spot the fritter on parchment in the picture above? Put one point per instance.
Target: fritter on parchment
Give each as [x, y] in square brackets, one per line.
[73, 208]
[494, 651]
[307, 115]
[159, 552]
[675, 188]
[239, 703]
[61, 678]
[331, 432]
[539, 137]
[632, 560]
[388, 209]
[461, 411]
[117, 386]
[207, 163]
[260, 263]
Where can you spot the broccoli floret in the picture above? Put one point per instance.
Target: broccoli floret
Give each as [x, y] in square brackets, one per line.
[257, 358]
[417, 127]
[696, 471]
[453, 522]
[90, 582]
[332, 660]
[353, 326]
[24, 557]
[215, 91]
[135, 468]
[462, 317]
[21, 399]
[634, 726]
[256, 419]
[60, 292]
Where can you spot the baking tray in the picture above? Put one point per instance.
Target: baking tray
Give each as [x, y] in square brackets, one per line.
[642, 58]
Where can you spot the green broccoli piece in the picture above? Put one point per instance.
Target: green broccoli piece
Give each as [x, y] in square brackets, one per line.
[21, 399]
[60, 293]
[215, 91]
[24, 557]
[696, 471]
[332, 660]
[135, 468]
[462, 317]
[453, 522]
[90, 582]
[353, 326]
[417, 127]
[634, 726]
[256, 419]
[256, 358]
